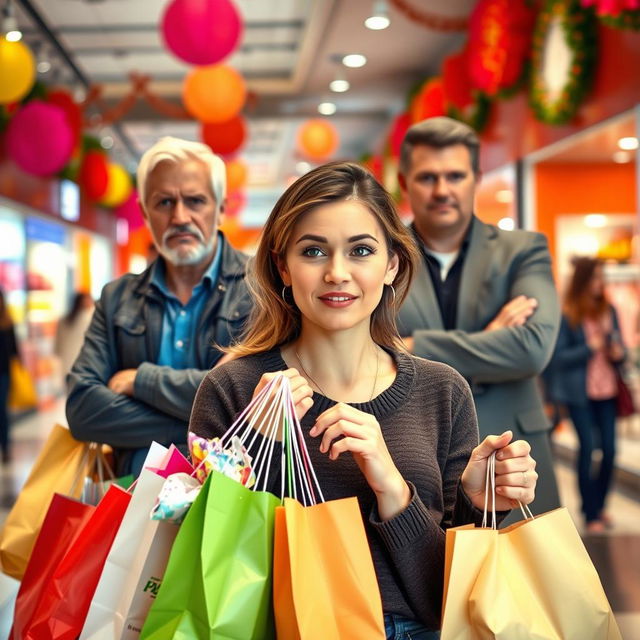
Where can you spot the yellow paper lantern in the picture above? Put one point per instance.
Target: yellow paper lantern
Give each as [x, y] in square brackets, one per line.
[236, 175]
[17, 70]
[119, 186]
[214, 94]
[317, 139]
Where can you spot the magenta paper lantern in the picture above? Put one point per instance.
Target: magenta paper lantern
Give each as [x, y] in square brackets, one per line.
[130, 210]
[201, 32]
[40, 139]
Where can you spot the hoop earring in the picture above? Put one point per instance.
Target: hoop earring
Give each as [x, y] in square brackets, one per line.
[393, 294]
[283, 293]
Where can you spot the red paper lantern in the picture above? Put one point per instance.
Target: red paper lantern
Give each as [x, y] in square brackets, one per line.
[201, 32]
[428, 102]
[236, 175]
[39, 138]
[64, 100]
[399, 127]
[224, 138]
[455, 80]
[317, 139]
[130, 210]
[500, 33]
[93, 176]
[214, 94]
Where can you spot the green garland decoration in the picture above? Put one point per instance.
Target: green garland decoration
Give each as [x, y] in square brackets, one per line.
[627, 19]
[475, 116]
[580, 33]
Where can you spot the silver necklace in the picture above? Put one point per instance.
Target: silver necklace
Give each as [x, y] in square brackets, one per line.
[306, 373]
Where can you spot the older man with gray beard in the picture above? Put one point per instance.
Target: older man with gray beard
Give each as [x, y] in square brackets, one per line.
[155, 335]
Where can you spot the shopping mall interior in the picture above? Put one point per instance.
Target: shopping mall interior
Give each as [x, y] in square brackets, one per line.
[280, 87]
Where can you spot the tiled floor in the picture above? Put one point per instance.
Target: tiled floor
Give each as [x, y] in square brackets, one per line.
[616, 555]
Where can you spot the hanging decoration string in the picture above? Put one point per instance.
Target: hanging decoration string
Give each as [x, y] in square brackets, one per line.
[430, 20]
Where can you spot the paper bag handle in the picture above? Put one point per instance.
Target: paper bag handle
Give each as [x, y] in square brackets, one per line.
[490, 491]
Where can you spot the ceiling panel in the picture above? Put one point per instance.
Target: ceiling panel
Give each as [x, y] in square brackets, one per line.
[289, 53]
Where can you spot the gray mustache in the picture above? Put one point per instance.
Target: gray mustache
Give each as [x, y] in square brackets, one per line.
[183, 228]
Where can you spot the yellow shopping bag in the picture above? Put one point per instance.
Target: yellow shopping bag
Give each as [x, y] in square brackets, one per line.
[61, 467]
[533, 580]
[22, 392]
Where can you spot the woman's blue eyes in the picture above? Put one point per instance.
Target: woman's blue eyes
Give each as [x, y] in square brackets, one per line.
[360, 251]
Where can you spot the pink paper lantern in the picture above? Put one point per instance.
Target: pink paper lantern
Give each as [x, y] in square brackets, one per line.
[130, 210]
[40, 139]
[201, 32]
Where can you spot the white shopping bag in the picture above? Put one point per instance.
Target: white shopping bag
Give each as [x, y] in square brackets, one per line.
[150, 579]
[124, 563]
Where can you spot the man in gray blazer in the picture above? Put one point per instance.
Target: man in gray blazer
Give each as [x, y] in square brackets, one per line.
[484, 299]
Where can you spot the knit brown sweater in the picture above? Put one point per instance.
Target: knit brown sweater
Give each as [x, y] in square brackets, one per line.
[429, 425]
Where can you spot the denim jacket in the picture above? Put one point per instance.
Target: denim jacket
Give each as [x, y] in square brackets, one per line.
[125, 333]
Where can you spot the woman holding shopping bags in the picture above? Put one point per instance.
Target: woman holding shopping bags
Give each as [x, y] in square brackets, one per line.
[582, 376]
[398, 432]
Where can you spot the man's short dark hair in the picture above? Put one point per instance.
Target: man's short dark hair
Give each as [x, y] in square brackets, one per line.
[439, 133]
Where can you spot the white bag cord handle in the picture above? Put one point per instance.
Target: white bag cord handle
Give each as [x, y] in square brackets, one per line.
[490, 489]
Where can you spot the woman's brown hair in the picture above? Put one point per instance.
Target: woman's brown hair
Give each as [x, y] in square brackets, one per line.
[579, 303]
[275, 319]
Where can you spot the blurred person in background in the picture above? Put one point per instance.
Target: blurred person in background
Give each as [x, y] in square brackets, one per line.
[8, 350]
[154, 335]
[483, 300]
[582, 377]
[71, 329]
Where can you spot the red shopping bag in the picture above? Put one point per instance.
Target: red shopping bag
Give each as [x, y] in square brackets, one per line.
[64, 518]
[66, 596]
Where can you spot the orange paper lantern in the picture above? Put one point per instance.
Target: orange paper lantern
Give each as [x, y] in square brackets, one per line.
[214, 94]
[317, 139]
[236, 175]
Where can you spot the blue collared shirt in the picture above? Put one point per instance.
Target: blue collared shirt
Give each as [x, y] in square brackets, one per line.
[180, 322]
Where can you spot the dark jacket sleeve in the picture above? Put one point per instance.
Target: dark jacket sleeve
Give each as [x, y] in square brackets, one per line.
[94, 412]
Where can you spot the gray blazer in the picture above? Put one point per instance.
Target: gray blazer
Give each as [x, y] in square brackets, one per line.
[501, 366]
[125, 333]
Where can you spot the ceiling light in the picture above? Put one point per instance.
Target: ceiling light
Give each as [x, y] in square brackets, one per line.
[106, 142]
[354, 60]
[11, 30]
[339, 86]
[327, 108]
[595, 220]
[43, 66]
[507, 224]
[621, 157]
[628, 144]
[379, 18]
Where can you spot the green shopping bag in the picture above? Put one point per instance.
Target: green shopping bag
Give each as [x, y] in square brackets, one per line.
[217, 585]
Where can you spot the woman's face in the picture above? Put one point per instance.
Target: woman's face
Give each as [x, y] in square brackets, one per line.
[337, 264]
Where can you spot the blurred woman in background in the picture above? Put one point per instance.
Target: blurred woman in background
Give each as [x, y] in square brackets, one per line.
[71, 330]
[8, 350]
[582, 376]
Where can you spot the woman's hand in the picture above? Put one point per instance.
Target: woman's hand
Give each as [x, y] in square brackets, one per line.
[516, 477]
[344, 428]
[301, 391]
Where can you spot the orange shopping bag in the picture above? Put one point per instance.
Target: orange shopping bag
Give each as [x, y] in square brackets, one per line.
[324, 582]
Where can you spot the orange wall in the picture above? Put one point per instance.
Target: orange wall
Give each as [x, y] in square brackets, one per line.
[582, 188]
